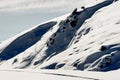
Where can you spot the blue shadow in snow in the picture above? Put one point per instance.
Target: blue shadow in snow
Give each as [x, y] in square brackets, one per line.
[83, 16]
[25, 41]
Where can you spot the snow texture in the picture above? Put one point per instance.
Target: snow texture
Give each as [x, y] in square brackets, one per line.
[86, 39]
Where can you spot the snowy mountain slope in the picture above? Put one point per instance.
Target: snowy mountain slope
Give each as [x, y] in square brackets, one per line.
[90, 46]
[57, 75]
[28, 39]
[85, 40]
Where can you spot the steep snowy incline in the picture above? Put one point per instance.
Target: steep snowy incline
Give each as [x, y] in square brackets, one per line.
[84, 40]
[93, 44]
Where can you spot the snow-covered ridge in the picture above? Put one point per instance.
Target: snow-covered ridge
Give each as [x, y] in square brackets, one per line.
[84, 40]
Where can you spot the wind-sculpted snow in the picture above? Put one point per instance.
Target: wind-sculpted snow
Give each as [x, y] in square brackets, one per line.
[108, 59]
[60, 40]
[24, 41]
[87, 39]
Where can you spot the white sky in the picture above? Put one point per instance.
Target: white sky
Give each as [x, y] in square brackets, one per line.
[10, 5]
[19, 15]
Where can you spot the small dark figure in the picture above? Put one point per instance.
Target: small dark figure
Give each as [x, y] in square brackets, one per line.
[83, 8]
[52, 41]
[73, 23]
[63, 27]
[15, 60]
[103, 48]
[75, 65]
[75, 11]
[67, 21]
[112, 54]
[47, 44]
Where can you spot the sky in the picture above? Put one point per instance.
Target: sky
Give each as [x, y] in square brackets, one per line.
[19, 15]
[13, 5]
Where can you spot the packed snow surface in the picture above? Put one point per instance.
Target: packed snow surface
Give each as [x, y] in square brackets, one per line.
[56, 75]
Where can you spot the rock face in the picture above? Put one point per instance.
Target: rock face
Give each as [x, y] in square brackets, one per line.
[87, 39]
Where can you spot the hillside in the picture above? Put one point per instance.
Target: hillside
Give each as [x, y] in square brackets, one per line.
[85, 39]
